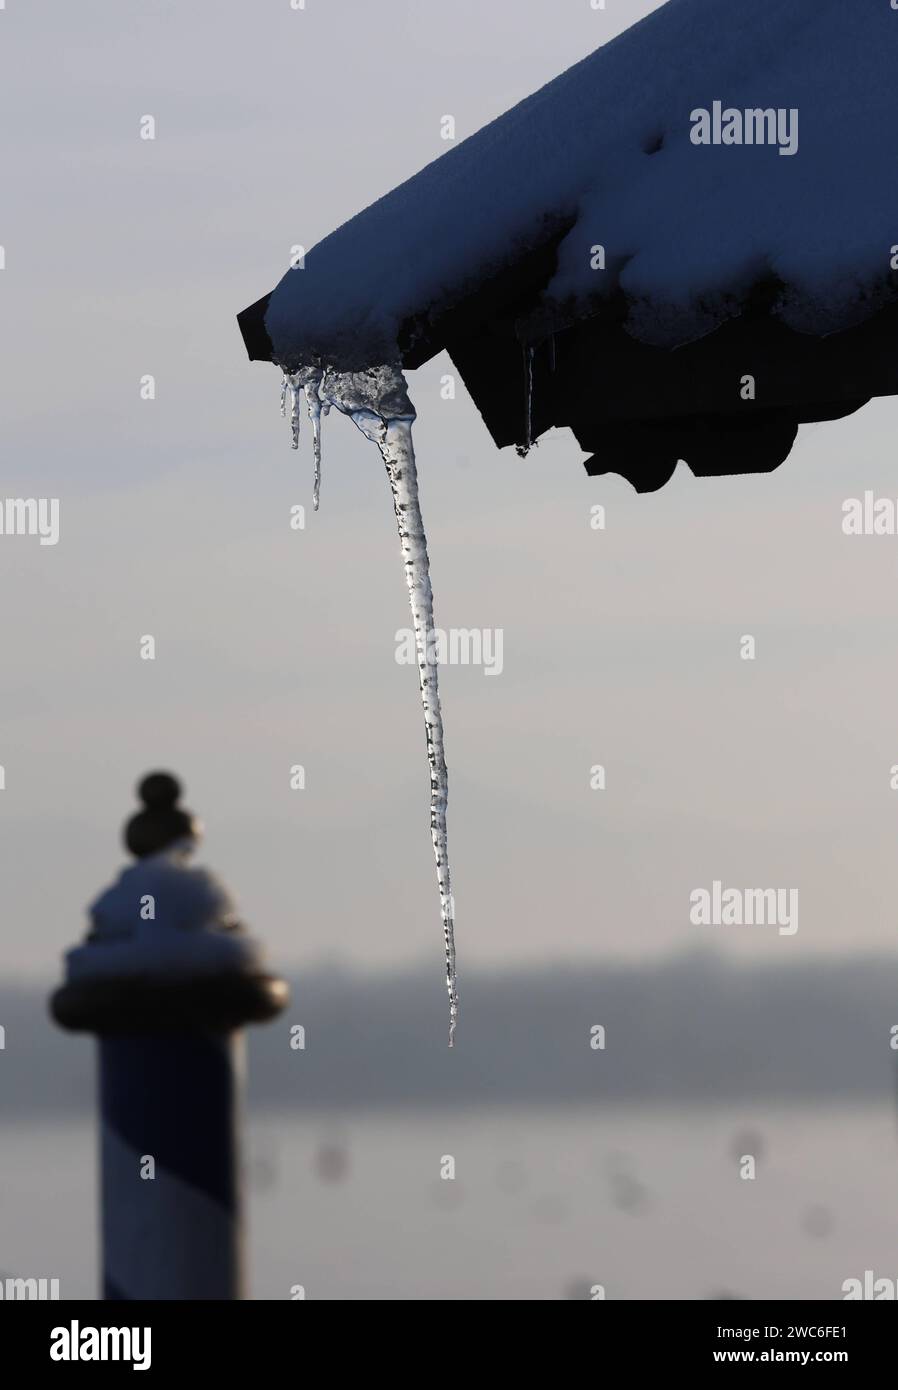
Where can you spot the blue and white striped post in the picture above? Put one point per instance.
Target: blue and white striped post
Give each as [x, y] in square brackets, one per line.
[167, 979]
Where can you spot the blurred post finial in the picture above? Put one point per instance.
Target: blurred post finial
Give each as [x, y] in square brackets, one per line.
[161, 822]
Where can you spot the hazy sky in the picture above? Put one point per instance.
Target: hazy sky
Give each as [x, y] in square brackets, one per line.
[274, 647]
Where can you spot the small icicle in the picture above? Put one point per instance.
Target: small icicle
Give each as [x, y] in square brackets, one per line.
[295, 417]
[314, 403]
[294, 382]
[524, 449]
[306, 379]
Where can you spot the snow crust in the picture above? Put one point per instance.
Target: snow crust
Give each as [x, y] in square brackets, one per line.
[603, 156]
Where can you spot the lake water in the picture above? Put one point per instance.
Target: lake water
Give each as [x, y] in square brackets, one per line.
[545, 1204]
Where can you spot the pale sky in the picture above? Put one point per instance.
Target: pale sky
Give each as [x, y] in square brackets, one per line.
[274, 647]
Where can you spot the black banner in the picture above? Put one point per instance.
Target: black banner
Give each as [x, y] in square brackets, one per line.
[65, 1339]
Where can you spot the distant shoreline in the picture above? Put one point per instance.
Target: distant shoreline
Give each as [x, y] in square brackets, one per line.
[690, 1027]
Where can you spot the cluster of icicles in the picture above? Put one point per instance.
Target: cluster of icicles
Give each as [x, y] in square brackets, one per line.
[377, 401]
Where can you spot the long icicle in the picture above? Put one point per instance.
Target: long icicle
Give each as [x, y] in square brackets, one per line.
[398, 454]
[377, 402]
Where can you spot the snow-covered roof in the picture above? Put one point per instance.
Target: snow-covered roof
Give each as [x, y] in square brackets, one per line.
[605, 155]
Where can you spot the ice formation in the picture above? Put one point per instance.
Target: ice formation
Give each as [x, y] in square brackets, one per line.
[296, 383]
[524, 449]
[377, 402]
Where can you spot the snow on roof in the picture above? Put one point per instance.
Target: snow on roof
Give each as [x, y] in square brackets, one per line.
[606, 155]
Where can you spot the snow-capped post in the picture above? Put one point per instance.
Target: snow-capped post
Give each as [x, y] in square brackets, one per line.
[167, 978]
